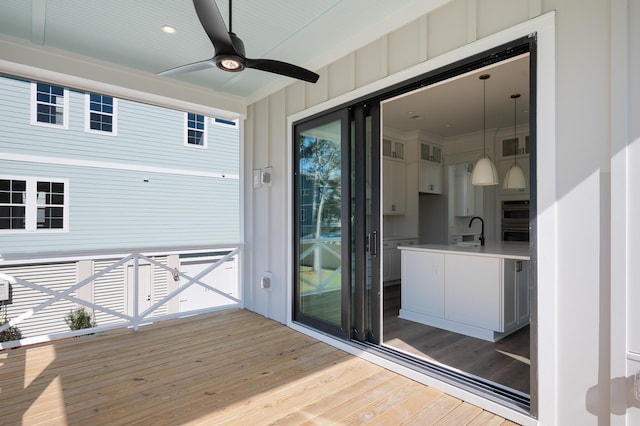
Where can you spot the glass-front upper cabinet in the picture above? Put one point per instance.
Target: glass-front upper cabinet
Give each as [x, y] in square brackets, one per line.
[518, 145]
[392, 148]
[430, 152]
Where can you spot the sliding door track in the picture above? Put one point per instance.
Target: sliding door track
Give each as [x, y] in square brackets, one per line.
[491, 391]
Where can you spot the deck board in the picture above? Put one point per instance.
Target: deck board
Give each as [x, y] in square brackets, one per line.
[230, 367]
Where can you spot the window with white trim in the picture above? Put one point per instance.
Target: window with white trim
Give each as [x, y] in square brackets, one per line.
[195, 126]
[13, 203]
[49, 105]
[100, 114]
[33, 204]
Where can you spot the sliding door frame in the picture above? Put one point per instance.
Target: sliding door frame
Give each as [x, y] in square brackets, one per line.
[528, 35]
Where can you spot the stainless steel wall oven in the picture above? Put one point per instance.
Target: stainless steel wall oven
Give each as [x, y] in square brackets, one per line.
[515, 220]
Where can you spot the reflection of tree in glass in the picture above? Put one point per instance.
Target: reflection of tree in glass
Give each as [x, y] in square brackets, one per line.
[320, 167]
[320, 162]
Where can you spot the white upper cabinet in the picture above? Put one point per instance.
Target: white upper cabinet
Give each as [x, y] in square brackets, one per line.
[430, 152]
[430, 178]
[510, 146]
[465, 192]
[430, 173]
[393, 187]
[393, 149]
[513, 148]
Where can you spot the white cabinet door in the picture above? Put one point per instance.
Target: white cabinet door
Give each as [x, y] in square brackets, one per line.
[430, 178]
[423, 282]
[465, 196]
[393, 187]
[472, 294]
[509, 297]
[387, 255]
[516, 310]
[522, 290]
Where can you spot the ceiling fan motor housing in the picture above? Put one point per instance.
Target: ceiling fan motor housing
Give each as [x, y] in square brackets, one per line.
[231, 61]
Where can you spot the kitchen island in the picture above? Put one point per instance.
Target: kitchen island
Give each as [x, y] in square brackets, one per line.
[479, 291]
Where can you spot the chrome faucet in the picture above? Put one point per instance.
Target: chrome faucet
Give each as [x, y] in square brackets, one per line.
[481, 230]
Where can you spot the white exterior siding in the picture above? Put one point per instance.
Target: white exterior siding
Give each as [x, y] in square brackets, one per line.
[54, 276]
[147, 135]
[109, 291]
[142, 188]
[116, 209]
[160, 286]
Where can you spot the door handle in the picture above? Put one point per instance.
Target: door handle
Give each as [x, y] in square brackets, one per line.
[372, 243]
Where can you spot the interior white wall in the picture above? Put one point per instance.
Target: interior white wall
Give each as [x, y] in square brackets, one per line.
[575, 320]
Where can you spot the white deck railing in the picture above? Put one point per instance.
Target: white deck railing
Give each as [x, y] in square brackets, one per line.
[134, 318]
[324, 264]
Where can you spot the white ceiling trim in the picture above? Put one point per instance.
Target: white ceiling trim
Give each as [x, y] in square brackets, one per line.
[26, 60]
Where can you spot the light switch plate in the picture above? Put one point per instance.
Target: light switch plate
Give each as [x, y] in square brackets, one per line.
[257, 178]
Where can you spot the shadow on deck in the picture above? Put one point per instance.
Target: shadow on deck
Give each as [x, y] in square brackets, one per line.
[228, 367]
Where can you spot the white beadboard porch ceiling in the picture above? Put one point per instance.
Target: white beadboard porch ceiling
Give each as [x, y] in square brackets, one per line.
[308, 33]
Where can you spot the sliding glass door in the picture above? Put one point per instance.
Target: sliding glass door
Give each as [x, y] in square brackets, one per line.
[338, 217]
[336, 224]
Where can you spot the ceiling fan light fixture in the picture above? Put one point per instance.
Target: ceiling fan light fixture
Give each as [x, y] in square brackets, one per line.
[230, 63]
[229, 49]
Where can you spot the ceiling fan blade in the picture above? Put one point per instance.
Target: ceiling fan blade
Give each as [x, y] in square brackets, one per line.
[214, 26]
[282, 68]
[196, 66]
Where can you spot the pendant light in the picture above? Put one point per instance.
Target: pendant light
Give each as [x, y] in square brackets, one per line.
[484, 171]
[514, 179]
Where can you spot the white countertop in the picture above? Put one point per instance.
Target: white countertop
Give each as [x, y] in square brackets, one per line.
[396, 237]
[503, 249]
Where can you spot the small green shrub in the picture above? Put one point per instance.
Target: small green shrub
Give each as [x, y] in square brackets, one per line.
[11, 333]
[79, 319]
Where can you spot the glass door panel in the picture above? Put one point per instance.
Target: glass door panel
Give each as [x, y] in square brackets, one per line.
[336, 284]
[366, 323]
[320, 234]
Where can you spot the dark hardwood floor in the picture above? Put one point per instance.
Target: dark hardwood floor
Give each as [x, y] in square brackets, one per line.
[505, 362]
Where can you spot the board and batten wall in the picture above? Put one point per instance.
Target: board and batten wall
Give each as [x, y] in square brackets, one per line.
[140, 188]
[576, 360]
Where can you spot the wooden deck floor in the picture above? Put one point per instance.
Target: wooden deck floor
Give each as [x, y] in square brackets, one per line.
[230, 367]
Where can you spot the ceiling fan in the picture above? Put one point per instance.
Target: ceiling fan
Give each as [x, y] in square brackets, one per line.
[229, 49]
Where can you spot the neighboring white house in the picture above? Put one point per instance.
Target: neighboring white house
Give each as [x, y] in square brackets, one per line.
[82, 173]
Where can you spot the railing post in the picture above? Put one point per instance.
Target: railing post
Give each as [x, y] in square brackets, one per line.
[136, 295]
